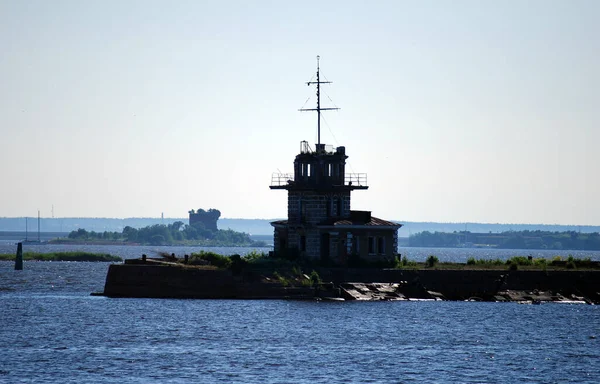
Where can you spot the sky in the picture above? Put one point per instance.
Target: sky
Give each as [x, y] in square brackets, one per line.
[458, 111]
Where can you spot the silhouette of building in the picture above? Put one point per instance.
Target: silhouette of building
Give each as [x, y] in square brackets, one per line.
[320, 222]
[207, 218]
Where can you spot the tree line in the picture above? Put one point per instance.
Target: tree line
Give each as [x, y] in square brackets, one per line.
[509, 240]
[175, 233]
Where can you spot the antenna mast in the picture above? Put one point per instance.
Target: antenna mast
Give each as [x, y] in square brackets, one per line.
[318, 109]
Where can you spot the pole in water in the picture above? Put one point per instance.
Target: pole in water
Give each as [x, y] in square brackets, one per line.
[19, 258]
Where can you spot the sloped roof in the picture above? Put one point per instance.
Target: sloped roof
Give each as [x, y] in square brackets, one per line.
[375, 222]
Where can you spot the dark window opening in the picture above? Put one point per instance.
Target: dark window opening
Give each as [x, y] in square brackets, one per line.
[371, 245]
[381, 245]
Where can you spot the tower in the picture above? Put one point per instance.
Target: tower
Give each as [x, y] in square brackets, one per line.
[320, 222]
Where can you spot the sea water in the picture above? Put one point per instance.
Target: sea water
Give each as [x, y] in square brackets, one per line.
[455, 255]
[53, 331]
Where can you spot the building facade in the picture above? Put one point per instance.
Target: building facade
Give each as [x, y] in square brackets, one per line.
[321, 224]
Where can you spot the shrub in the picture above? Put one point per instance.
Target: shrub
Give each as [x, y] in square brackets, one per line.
[315, 279]
[485, 262]
[513, 266]
[282, 280]
[557, 261]
[406, 262]
[431, 261]
[540, 262]
[520, 260]
[212, 258]
[254, 256]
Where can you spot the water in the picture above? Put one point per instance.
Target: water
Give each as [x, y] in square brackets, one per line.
[53, 331]
[457, 255]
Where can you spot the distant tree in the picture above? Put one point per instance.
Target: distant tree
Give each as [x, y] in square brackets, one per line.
[176, 226]
[130, 234]
[78, 234]
[157, 240]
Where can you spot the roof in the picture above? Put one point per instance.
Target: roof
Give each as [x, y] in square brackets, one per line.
[374, 222]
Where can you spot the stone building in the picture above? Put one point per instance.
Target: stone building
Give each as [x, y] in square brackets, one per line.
[320, 223]
[207, 218]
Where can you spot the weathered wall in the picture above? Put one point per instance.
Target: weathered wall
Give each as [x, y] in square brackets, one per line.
[156, 281]
[462, 284]
[139, 280]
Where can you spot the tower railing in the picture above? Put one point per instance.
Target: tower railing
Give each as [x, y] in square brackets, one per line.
[356, 179]
[306, 148]
[350, 179]
[281, 179]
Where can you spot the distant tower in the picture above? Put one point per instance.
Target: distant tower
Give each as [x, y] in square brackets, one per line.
[320, 223]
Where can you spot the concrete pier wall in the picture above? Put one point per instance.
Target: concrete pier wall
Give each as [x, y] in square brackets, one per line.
[160, 281]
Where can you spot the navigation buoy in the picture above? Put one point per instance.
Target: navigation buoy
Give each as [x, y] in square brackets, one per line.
[19, 257]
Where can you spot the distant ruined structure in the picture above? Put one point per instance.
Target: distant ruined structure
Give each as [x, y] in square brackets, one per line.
[320, 222]
[207, 218]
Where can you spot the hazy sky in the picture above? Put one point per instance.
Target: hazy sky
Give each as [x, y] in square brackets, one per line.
[458, 111]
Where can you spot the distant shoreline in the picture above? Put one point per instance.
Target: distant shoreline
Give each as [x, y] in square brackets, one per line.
[260, 227]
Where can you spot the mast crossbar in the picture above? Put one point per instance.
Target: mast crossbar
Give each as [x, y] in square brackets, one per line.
[315, 109]
[318, 109]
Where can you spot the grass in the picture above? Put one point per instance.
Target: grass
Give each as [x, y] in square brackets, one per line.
[63, 256]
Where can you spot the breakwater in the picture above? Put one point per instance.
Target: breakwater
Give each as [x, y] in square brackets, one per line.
[157, 280]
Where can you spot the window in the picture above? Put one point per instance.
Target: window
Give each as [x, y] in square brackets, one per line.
[339, 206]
[348, 243]
[303, 243]
[371, 245]
[381, 245]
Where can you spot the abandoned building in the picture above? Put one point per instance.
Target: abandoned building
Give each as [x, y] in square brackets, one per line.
[320, 223]
[207, 218]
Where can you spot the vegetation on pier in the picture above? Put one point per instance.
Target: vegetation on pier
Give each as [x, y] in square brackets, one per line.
[256, 260]
[63, 256]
